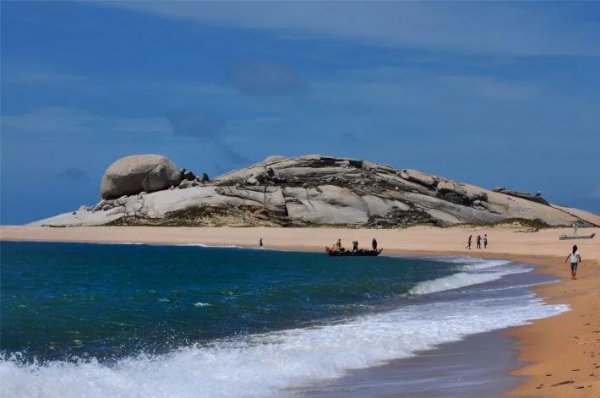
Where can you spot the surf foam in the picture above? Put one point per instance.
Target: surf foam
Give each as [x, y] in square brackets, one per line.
[475, 271]
[270, 364]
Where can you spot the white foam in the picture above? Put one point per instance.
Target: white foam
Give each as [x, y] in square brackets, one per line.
[208, 246]
[270, 364]
[201, 304]
[476, 271]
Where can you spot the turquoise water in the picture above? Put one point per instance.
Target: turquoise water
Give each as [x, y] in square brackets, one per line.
[188, 321]
[104, 301]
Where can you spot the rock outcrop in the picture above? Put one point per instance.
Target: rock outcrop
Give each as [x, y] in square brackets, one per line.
[138, 173]
[302, 191]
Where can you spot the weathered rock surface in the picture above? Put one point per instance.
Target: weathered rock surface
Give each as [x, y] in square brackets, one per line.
[138, 173]
[304, 190]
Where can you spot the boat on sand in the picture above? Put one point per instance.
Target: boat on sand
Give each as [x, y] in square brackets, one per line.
[571, 237]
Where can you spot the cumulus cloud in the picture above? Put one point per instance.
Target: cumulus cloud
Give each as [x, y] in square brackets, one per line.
[266, 78]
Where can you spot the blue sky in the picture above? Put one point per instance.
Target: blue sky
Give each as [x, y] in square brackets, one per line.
[487, 93]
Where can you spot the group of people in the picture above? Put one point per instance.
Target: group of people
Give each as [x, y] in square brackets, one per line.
[478, 240]
[337, 246]
[574, 257]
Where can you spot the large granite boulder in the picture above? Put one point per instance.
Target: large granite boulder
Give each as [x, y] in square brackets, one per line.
[138, 173]
[302, 191]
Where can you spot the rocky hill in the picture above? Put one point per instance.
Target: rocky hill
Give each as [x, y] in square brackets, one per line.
[303, 191]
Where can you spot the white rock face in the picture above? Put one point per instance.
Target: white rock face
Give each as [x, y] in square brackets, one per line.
[138, 173]
[304, 190]
[326, 204]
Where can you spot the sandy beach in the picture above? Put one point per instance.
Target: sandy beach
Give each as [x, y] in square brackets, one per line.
[561, 355]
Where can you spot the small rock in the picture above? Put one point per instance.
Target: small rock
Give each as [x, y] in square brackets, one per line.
[186, 184]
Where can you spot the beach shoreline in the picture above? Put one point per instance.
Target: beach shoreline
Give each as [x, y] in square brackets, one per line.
[560, 355]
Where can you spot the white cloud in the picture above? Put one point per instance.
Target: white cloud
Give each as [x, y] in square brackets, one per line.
[483, 28]
[57, 123]
[490, 87]
[35, 72]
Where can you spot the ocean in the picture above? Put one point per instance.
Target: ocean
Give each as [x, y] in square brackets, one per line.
[99, 320]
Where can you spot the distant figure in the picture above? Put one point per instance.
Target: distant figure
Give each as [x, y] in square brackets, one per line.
[485, 241]
[374, 244]
[338, 245]
[479, 241]
[575, 226]
[260, 242]
[575, 259]
[354, 246]
[469, 242]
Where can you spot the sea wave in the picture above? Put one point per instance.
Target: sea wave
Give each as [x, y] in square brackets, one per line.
[472, 272]
[270, 364]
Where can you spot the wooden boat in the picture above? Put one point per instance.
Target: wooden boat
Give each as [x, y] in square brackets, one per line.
[349, 253]
[571, 237]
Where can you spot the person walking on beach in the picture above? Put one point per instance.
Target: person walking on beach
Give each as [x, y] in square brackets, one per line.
[479, 241]
[575, 259]
[260, 242]
[374, 244]
[485, 241]
[469, 242]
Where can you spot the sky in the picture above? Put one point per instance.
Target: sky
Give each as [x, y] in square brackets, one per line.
[493, 94]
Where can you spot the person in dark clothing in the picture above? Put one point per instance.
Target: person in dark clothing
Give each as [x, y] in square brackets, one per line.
[469, 242]
[260, 242]
[354, 246]
[374, 244]
[479, 241]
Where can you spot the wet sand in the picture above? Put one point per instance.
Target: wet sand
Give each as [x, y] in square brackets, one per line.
[475, 367]
[562, 353]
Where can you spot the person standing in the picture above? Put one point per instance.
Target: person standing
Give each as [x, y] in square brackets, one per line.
[485, 241]
[374, 244]
[479, 241]
[469, 242]
[575, 260]
[260, 242]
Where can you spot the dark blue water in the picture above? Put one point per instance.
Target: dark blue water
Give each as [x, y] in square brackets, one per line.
[63, 301]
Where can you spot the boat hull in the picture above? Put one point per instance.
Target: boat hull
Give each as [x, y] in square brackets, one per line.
[360, 253]
[567, 237]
